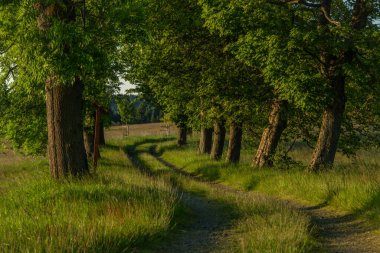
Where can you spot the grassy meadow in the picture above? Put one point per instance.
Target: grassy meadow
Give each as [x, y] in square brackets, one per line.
[136, 204]
[353, 186]
[258, 224]
[115, 210]
[122, 209]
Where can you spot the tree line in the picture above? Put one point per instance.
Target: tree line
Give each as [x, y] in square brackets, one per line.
[290, 69]
[132, 109]
[298, 66]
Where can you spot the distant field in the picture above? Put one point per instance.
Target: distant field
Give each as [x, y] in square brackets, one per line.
[118, 132]
[10, 157]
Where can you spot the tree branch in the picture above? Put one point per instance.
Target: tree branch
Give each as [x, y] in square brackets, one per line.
[314, 56]
[10, 72]
[7, 49]
[329, 19]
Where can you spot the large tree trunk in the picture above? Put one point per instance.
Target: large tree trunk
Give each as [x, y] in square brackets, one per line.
[66, 150]
[327, 144]
[218, 140]
[181, 135]
[272, 134]
[64, 102]
[234, 144]
[205, 140]
[332, 69]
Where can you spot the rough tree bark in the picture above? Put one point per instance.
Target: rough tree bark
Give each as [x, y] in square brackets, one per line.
[272, 134]
[182, 135]
[66, 150]
[205, 141]
[64, 104]
[234, 144]
[327, 144]
[218, 140]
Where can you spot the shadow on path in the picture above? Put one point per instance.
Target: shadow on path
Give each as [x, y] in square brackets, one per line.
[209, 226]
[337, 233]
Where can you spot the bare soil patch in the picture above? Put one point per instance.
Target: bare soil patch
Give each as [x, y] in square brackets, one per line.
[119, 132]
[9, 156]
[208, 232]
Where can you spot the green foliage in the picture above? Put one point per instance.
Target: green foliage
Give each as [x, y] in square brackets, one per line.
[134, 110]
[23, 120]
[284, 42]
[42, 40]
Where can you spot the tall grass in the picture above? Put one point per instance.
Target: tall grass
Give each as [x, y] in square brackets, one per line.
[353, 186]
[113, 211]
[258, 224]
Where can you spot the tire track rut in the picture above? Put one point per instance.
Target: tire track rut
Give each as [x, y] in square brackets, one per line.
[336, 233]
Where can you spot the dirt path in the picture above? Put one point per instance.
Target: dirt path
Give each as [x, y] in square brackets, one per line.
[342, 233]
[208, 230]
[337, 233]
[205, 233]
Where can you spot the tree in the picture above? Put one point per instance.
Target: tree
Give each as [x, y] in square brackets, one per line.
[163, 65]
[57, 45]
[205, 140]
[238, 27]
[303, 52]
[333, 66]
[234, 143]
[277, 122]
[218, 140]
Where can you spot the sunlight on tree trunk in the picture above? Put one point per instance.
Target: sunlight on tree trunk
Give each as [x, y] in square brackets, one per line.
[327, 144]
[272, 134]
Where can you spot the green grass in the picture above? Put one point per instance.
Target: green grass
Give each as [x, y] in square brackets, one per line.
[121, 209]
[114, 211]
[353, 186]
[2, 147]
[259, 225]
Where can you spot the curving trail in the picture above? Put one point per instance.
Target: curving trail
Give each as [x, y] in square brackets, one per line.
[209, 231]
[342, 233]
[205, 233]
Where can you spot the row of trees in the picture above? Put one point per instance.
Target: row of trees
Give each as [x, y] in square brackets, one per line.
[131, 109]
[292, 64]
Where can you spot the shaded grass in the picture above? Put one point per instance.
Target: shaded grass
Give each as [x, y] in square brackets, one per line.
[352, 187]
[258, 224]
[115, 211]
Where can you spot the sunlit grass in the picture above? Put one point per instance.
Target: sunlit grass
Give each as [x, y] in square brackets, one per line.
[121, 209]
[113, 211]
[353, 186]
[259, 225]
